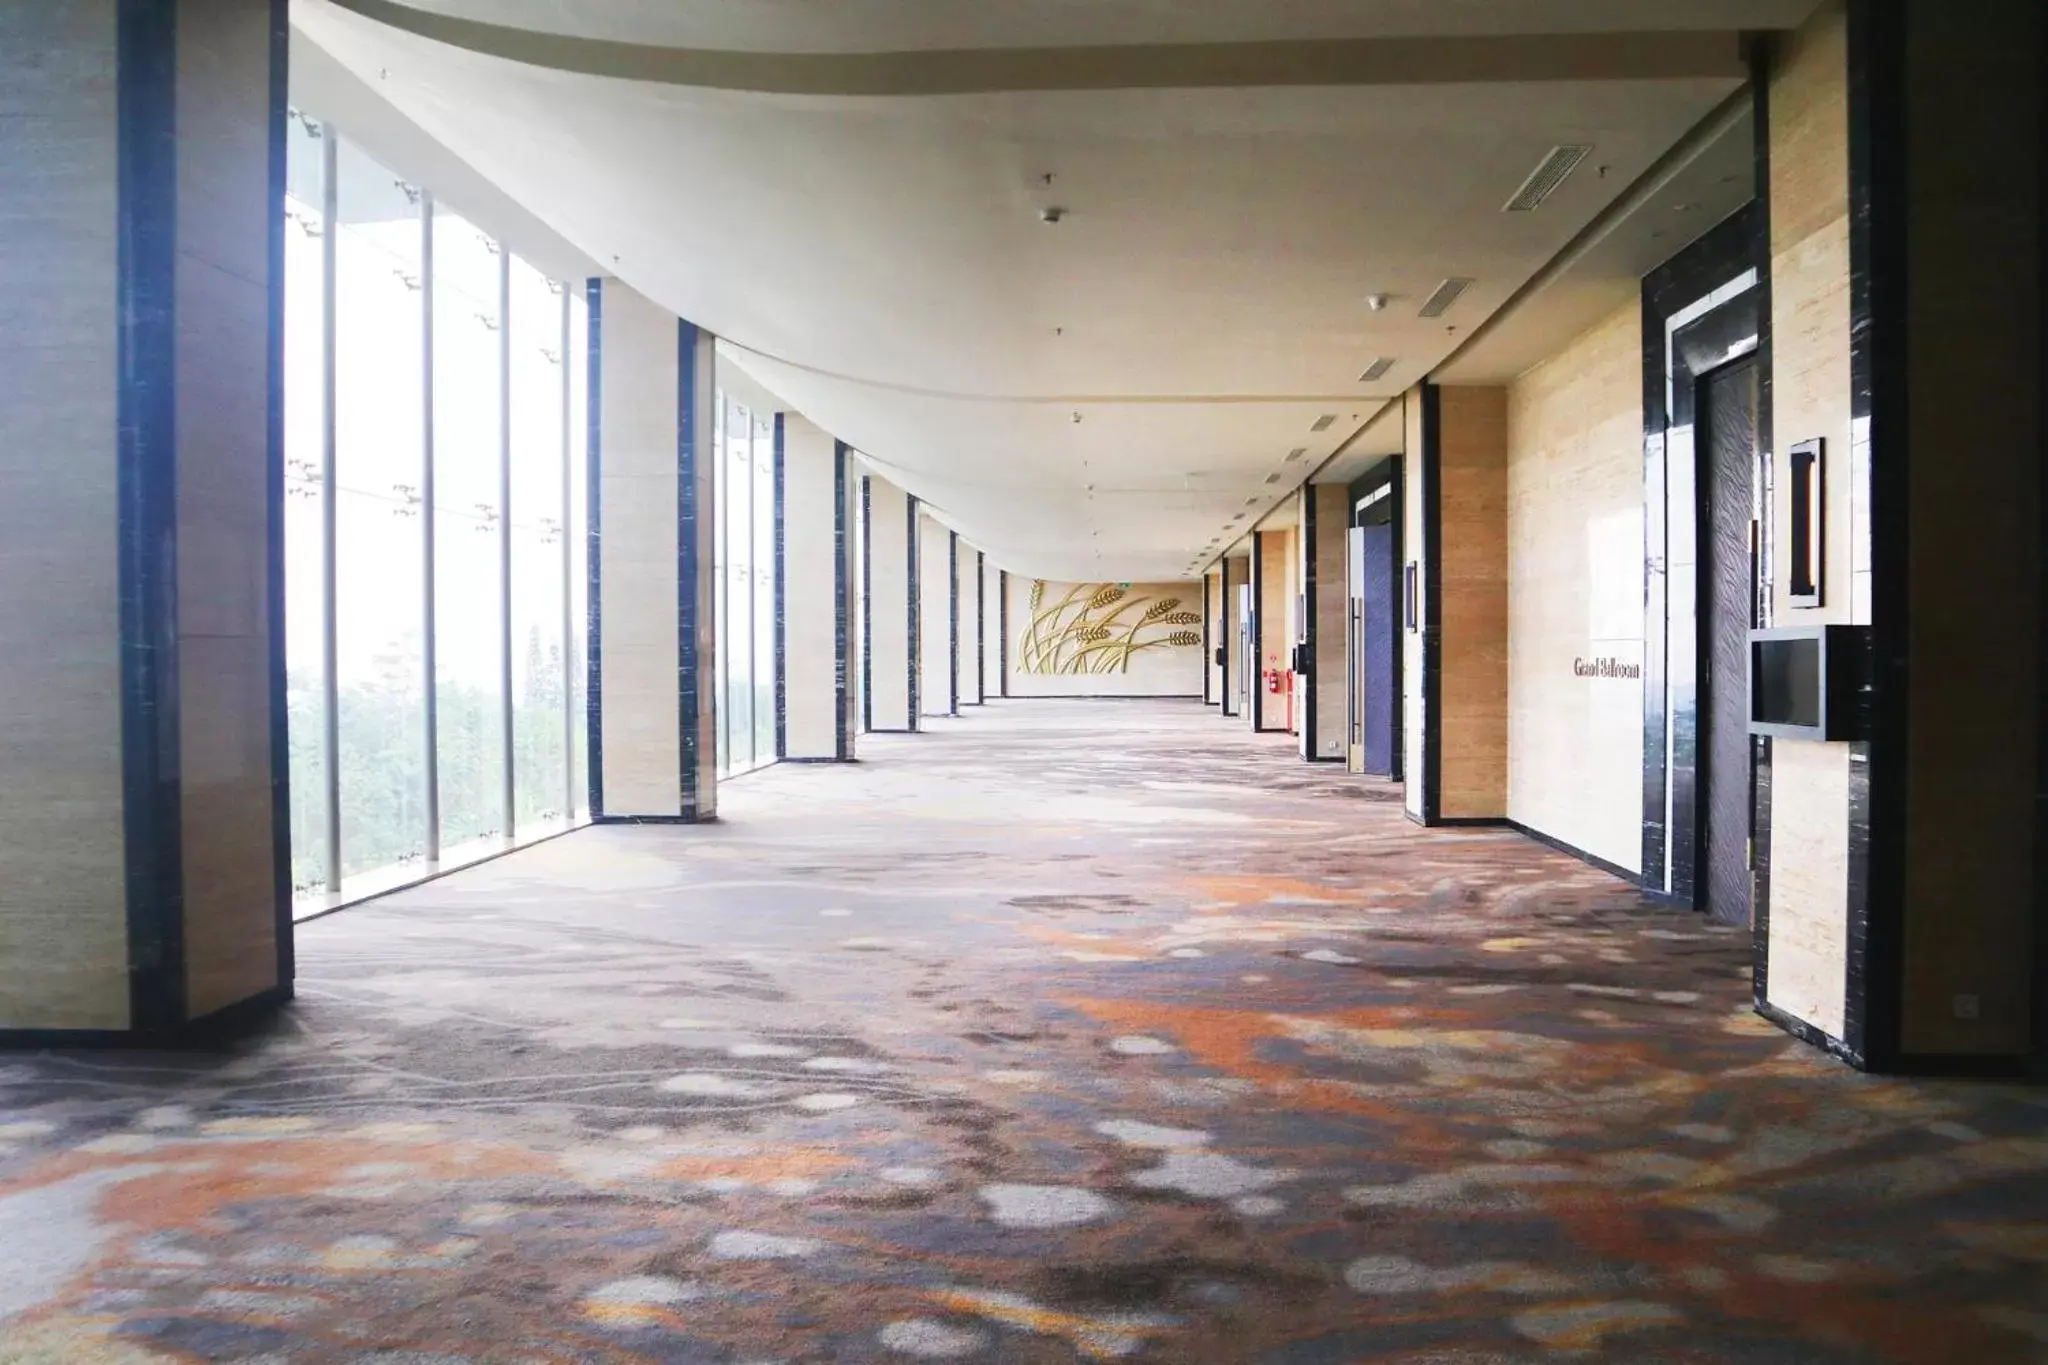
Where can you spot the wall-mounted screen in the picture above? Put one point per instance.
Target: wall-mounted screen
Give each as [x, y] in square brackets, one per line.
[1785, 682]
[1806, 682]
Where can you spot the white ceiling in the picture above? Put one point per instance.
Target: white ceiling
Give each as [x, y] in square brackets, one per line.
[879, 262]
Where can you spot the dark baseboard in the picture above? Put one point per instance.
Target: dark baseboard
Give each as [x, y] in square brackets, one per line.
[210, 1031]
[655, 819]
[817, 760]
[878, 730]
[1472, 822]
[1321, 758]
[1807, 1033]
[1591, 859]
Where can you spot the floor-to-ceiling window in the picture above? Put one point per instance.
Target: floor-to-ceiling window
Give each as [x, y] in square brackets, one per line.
[435, 482]
[744, 551]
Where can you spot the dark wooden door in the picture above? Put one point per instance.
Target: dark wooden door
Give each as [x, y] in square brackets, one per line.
[1727, 452]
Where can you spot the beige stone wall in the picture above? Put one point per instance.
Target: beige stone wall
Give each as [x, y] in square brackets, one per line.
[810, 656]
[888, 608]
[642, 759]
[1575, 592]
[223, 296]
[1276, 623]
[1473, 694]
[63, 944]
[970, 622]
[935, 617]
[1810, 397]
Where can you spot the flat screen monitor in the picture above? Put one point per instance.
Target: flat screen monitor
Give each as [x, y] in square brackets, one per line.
[1785, 681]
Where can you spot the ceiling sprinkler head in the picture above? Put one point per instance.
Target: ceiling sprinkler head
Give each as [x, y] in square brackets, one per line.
[1077, 417]
[1051, 213]
[1375, 302]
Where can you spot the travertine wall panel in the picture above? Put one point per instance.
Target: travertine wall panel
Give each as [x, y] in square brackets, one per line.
[1575, 592]
[1810, 397]
[64, 948]
[935, 588]
[888, 606]
[638, 545]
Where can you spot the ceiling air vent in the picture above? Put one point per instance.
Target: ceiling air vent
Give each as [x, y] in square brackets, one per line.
[1376, 369]
[1273, 477]
[1296, 453]
[1444, 295]
[1548, 175]
[1323, 423]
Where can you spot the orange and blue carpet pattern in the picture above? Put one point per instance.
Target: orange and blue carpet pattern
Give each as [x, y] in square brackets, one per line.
[1068, 1032]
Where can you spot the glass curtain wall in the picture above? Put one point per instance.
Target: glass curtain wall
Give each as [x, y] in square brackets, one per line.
[435, 449]
[744, 550]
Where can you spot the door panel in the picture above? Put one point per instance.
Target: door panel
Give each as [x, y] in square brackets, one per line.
[1376, 659]
[1728, 411]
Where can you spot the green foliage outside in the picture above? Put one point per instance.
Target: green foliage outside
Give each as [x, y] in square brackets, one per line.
[383, 770]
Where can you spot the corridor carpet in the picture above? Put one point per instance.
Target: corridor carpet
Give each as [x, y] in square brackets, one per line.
[1067, 1032]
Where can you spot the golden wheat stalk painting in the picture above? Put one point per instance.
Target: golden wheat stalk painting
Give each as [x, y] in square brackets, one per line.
[1093, 629]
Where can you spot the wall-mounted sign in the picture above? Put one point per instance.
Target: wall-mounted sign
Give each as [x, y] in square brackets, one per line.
[1605, 668]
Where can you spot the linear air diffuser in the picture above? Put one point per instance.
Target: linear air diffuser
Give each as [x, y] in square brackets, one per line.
[1296, 453]
[1376, 369]
[1444, 295]
[1548, 175]
[1323, 423]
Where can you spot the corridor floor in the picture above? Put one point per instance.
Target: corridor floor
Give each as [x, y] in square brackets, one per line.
[1069, 1031]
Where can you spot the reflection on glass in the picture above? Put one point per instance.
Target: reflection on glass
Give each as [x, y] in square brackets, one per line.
[764, 589]
[736, 650]
[537, 517]
[467, 524]
[721, 629]
[304, 499]
[578, 545]
[384, 287]
[378, 471]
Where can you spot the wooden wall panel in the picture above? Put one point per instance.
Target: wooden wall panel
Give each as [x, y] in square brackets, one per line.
[1474, 554]
[1974, 439]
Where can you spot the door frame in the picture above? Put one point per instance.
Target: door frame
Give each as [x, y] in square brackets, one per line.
[1705, 308]
[1381, 483]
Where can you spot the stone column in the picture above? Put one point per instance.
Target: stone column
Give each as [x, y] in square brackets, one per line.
[816, 576]
[653, 708]
[968, 639]
[937, 608]
[888, 606]
[144, 856]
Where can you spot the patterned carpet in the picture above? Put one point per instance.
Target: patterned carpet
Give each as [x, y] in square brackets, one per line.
[1071, 1031]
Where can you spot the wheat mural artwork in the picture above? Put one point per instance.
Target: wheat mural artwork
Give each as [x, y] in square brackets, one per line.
[1098, 627]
